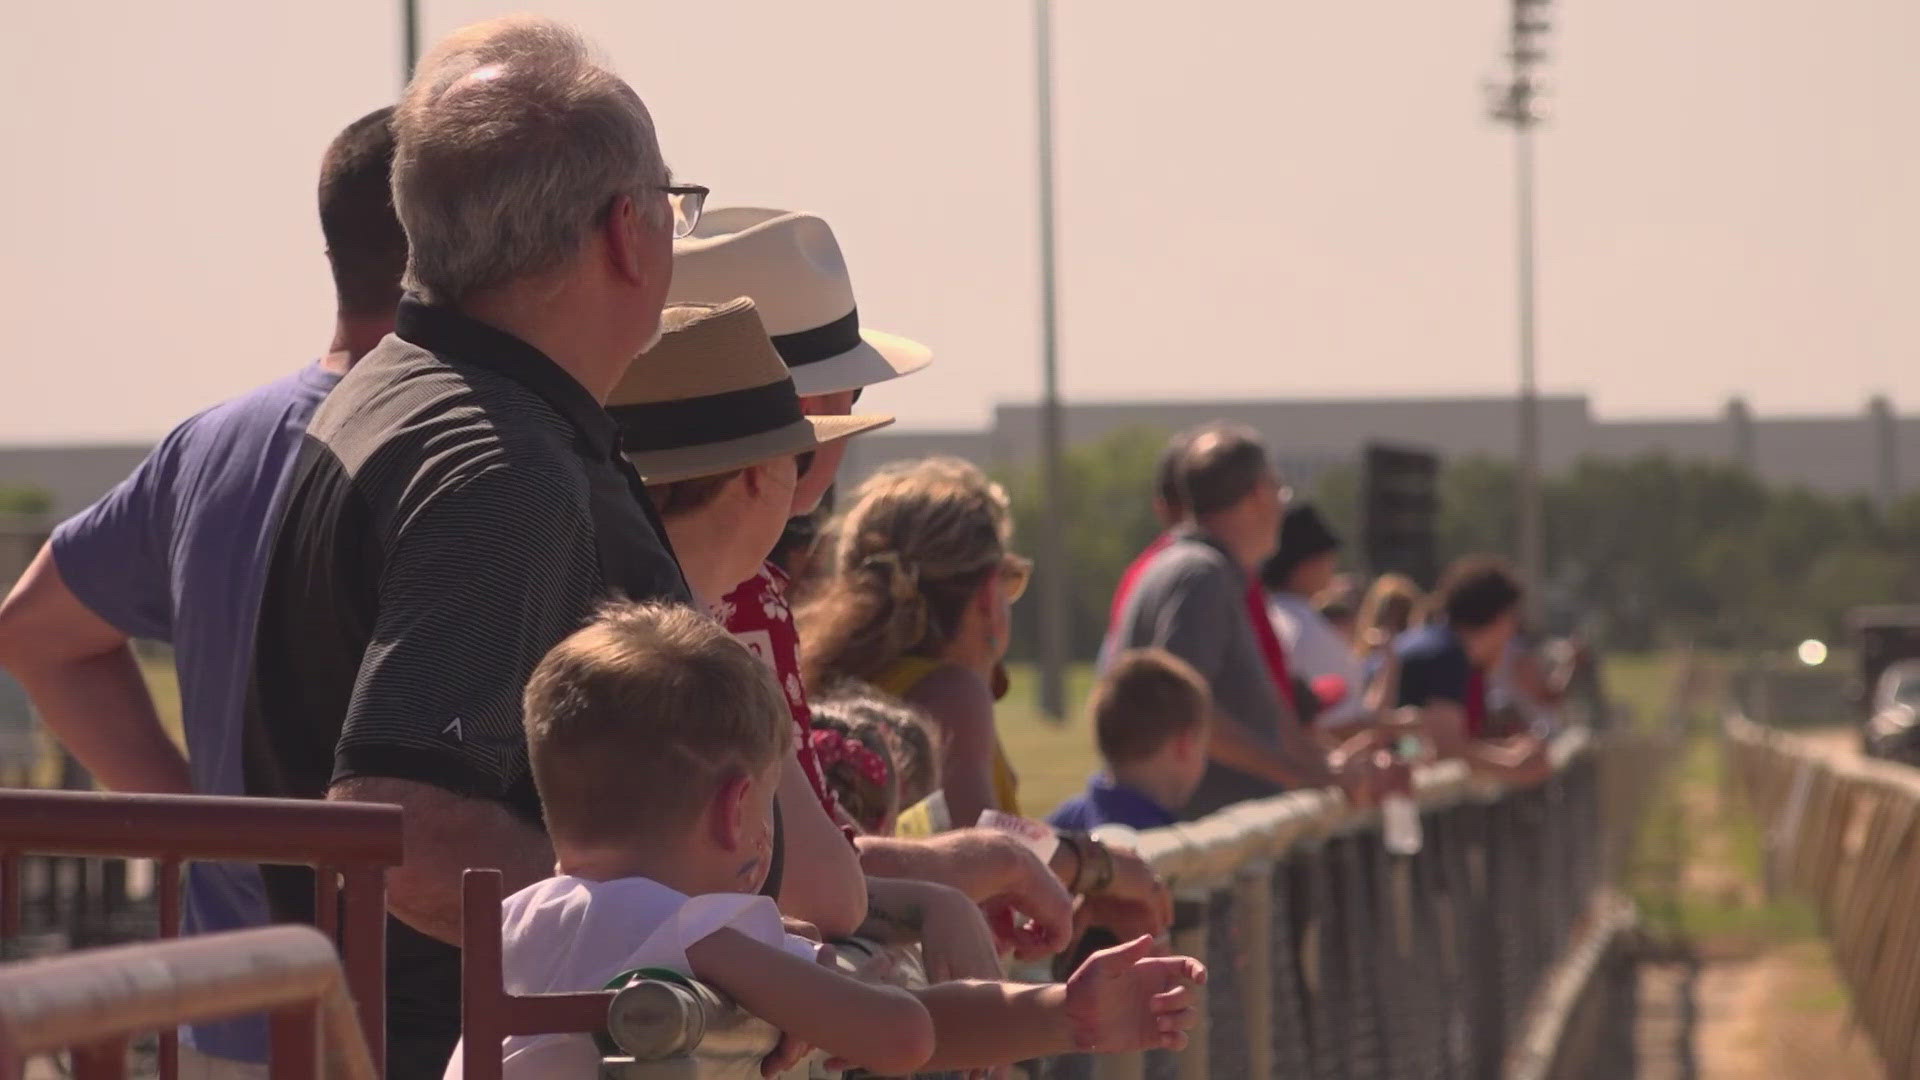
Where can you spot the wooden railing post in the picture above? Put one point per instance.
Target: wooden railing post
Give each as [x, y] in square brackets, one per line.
[1253, 947]
[364, 928]
[1191, 940]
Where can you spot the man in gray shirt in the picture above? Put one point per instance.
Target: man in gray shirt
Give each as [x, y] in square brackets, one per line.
[1189, 598]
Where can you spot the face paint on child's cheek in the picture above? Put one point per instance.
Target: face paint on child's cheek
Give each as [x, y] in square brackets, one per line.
[753, 872]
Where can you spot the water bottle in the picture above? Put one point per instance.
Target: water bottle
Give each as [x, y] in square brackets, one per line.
[1399, 813]
[1400, 823]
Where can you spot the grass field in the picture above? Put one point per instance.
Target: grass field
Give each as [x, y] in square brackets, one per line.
[1054, 759]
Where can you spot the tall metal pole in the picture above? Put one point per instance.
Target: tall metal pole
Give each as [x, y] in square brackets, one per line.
[409, 39]
[1515, 103]
[1053, 566]
[1532, 523]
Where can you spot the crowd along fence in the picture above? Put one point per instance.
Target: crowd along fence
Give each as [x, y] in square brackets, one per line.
[1329, 958]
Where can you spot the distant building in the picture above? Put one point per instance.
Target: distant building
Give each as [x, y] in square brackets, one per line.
[1874, 452]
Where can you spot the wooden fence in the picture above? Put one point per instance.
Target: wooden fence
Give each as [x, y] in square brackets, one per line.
[45, 834]
[91, 1003]
[1840, 830]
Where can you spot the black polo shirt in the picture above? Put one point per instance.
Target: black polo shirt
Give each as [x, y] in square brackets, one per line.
[459, 506]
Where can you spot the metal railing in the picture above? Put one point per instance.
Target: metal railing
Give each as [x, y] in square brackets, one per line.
[350, 846]
[1329, 957]
[1841, 831]
[91, 1003]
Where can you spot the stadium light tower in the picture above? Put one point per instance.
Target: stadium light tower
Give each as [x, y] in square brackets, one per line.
[1053, 548]
[1517, 103]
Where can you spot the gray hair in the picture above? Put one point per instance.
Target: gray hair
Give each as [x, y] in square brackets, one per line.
[512, 142]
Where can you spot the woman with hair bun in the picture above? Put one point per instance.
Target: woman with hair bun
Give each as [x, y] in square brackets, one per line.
[920, 605]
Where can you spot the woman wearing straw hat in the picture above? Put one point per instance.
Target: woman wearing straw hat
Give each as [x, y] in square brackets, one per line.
[792, 267]
[711, 421]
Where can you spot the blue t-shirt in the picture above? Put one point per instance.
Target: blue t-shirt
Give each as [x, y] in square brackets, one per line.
[1109, 802]
[1434, 666]
[177, 552]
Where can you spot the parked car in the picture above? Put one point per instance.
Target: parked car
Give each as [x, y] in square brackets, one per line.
[1885, 636]
[1893, 731]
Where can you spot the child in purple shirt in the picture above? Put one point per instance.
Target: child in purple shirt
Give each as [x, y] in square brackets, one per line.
[1150, 716]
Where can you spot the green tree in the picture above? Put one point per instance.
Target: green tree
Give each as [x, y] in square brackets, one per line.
[1108, 518]
[24, 500]
[1641, 551]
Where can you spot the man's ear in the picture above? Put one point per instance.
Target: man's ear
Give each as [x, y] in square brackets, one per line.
[624, 231]
[727, 812]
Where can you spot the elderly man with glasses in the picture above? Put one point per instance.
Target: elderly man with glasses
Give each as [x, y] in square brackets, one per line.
[461, 503]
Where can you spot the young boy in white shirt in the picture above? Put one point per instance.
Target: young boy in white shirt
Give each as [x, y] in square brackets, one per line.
[656, 741]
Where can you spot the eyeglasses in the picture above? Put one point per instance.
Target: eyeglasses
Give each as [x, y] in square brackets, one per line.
[1016, 573]
[687, 201]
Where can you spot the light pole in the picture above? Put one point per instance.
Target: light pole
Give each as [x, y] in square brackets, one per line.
[1053, 556]
[409, 39]
[1516, 103]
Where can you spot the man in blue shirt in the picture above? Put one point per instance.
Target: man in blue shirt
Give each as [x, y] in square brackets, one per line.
[1447, 669]
[178, 553]
[1151, 714]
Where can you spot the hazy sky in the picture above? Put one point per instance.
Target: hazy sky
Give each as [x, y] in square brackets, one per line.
[1256, 199]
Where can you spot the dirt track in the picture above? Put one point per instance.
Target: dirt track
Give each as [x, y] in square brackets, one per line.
[1759, 999]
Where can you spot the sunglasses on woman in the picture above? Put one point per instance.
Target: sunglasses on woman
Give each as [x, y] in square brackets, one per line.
[1016, 573]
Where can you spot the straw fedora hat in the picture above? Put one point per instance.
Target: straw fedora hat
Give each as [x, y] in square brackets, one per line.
[790, 265]
[714, 396]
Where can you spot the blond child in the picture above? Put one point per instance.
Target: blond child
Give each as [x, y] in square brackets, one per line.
[656, 741]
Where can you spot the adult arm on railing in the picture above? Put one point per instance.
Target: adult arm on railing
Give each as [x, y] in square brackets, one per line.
[444, 835]
[85, 685]
[991, 868]
[821, 880]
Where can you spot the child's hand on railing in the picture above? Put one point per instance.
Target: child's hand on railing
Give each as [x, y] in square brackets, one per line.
[1125, 998]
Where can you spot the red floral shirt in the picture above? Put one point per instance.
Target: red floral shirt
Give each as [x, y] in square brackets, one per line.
[757, 615]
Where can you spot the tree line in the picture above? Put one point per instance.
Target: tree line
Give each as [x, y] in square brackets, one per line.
[1641, 552]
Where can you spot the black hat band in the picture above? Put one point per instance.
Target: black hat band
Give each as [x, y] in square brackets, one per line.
[713, 418]
[842, 335]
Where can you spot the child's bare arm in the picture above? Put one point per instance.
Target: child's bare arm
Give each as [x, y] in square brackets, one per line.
[1120, 999]
[876, 1027]
[981, 1024]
